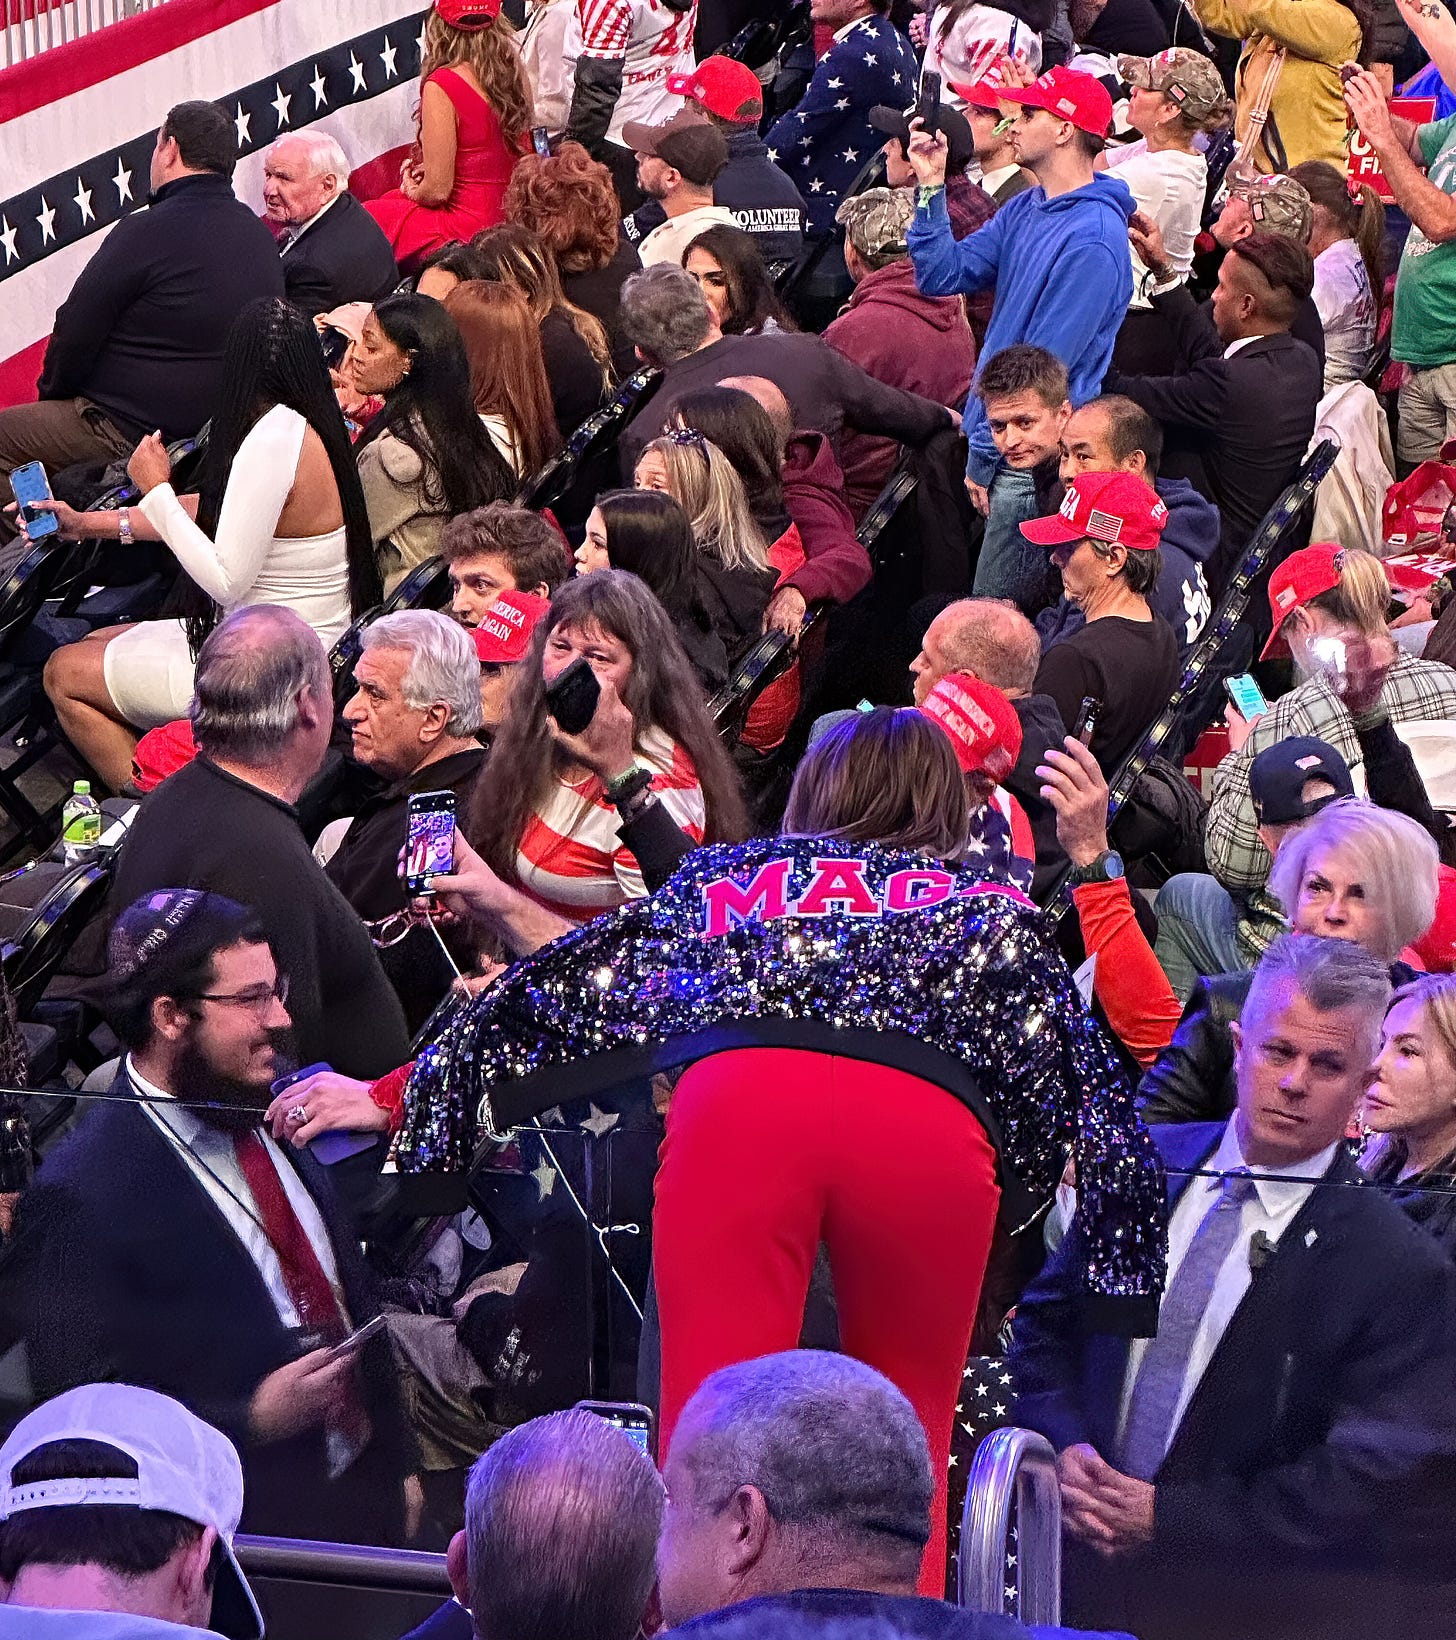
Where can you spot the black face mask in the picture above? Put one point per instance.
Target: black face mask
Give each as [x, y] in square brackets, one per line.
[217, 1101]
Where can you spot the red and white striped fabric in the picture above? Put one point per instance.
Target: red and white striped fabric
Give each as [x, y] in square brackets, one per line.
[649, 39]
[571, 858]
[77, 124]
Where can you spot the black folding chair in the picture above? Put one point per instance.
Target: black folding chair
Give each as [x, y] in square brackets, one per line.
[427, 586]
[31, 955]
[594, 439]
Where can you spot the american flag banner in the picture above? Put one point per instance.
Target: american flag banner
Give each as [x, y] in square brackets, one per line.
[78, 123]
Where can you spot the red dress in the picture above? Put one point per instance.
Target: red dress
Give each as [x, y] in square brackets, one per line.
[483, 164]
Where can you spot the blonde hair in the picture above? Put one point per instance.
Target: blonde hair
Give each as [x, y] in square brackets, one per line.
[1362, 596]
[1436, 994]
[706, 485]
[1398, 860]
[493, 59]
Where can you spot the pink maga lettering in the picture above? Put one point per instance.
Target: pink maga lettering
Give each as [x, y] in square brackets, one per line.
[915, 890]
[764, 895]
[838, 885]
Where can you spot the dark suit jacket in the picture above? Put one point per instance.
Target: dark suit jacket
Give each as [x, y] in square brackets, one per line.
[122, 1269]
[343, 257]
[1308, 1483]
[825, 392]
[1236, 428]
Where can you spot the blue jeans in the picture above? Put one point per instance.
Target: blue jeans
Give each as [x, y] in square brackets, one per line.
[1009, 565]
[1198, 925]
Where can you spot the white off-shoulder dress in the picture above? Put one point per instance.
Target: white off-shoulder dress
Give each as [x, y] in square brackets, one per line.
[148, 668]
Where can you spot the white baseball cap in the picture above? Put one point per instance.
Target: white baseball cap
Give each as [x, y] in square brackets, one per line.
[184, 1466]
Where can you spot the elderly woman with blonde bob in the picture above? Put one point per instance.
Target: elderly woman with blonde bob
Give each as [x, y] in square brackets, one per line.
[1355, 872]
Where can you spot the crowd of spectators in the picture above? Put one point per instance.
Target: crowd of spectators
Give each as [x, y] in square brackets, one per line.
[771, 517]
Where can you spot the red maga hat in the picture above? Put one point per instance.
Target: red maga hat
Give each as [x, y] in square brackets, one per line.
[981, 722]
[724, 87]
[1068, 94]
[468, 14]
[504, 634]
[1118, 508]
[1303, 575]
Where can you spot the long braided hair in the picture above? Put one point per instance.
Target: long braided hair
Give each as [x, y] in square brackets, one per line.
[273, 357]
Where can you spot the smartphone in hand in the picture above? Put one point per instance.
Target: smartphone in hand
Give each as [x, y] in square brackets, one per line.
[29, 484]
[429, 846]
[572, 698]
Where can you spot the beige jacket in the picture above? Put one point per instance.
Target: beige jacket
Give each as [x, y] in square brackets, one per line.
[405, 525]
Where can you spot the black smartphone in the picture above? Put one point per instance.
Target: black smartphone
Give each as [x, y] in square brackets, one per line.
[541, 141]
[572, 699]
[1087, 719]
[927, 110]
[429, 843]
[29, 484]
[633, 1419]
[1247, 696]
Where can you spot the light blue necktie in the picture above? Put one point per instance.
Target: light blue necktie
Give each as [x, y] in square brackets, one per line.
[1159, 1386]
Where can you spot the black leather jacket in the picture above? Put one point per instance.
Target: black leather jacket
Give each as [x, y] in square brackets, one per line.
[1192, 1080]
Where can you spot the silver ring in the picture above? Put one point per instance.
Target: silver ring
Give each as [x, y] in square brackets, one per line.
[298, 1114]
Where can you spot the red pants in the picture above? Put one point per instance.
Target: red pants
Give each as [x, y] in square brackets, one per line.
[768, 1152]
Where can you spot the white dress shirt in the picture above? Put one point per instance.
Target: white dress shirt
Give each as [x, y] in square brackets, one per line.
[1272, 1209]
[1233, 347]
[213, 1162]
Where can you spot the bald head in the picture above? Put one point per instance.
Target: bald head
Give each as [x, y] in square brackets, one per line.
[771, 396]
[990, 639]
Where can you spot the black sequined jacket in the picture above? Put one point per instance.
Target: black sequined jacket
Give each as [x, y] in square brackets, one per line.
[872, 953]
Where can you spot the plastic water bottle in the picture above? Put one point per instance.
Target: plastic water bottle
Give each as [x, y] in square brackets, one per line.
[80, 824]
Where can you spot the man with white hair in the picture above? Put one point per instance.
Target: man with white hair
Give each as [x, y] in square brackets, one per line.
[414, 716]
[333, 251]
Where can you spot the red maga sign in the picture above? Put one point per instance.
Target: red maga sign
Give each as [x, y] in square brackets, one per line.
[1361, 164]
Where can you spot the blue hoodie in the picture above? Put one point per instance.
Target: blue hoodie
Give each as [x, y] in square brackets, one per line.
[1062, 272]
[1181, 593]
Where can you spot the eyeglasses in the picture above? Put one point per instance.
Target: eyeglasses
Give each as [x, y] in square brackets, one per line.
[256, 998]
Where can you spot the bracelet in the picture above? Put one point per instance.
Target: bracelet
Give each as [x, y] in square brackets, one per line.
[124, 535]
[626, 786]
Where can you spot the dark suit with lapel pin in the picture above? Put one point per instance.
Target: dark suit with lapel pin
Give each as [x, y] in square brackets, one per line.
[123, 1269]
[1307, 1490]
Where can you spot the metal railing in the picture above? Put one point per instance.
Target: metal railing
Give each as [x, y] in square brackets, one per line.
[33, 26]
[343, 1565]
[1013, 1465]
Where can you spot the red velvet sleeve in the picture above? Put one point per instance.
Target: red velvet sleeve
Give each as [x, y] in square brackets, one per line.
[388, 1093]
[1140, 1005]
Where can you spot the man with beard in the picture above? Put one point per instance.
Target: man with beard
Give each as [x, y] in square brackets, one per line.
[169, 1242]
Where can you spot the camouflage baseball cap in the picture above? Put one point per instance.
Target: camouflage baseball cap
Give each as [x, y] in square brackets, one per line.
[1187, 77]
[875, 222]
[1277, 202]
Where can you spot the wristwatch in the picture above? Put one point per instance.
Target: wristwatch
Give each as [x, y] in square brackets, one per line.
[627, 785]
[1106, 868]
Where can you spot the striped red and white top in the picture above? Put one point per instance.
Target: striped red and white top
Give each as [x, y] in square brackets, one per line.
[650, 40]
[571, 858]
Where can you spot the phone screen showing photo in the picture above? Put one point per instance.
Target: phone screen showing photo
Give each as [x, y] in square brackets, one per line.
[430, 847]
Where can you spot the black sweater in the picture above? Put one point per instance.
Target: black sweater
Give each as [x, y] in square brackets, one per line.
[143, 330]
[205, 828]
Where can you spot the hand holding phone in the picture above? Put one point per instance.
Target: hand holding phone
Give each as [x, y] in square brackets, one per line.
[354, 1342]
[1087, 719]
[572, 697]
[1247, 696]
[429, 848]
[29, 484]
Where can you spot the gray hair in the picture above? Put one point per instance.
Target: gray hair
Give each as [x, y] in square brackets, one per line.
[443, 670]
[562, 1517]
[325, 156]
[1398, 862]
[664, 313]
[835, 1449]
[1329, 974]
[250, 672]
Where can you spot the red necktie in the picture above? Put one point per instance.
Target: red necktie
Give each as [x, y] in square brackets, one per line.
[303, 1275]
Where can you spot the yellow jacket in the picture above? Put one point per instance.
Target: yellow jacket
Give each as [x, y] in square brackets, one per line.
[1308, 110]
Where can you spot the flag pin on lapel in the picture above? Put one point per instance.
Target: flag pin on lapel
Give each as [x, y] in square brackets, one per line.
[1311, 1237]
